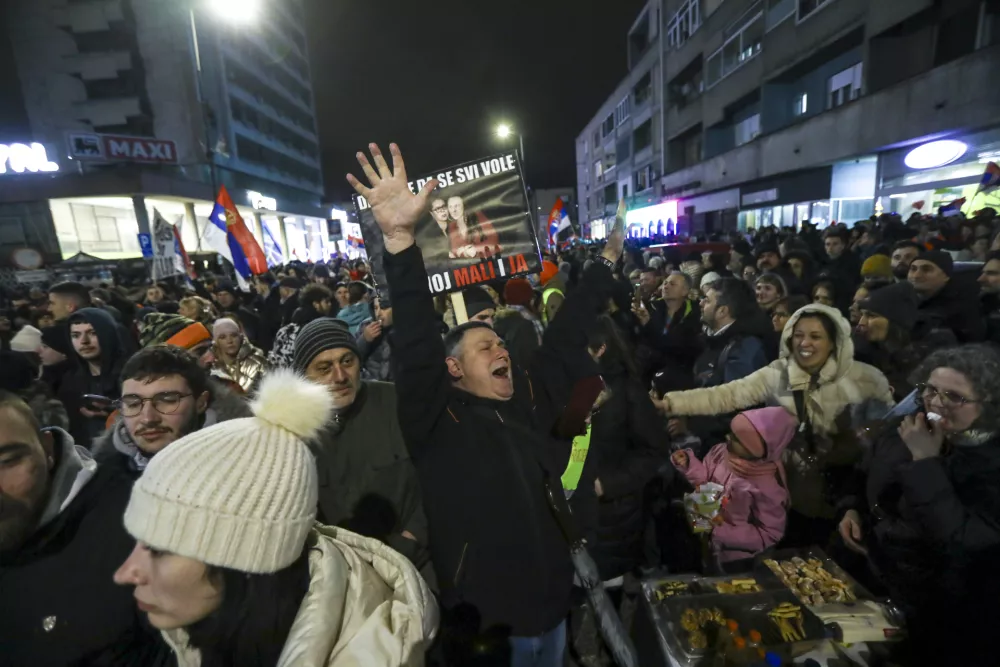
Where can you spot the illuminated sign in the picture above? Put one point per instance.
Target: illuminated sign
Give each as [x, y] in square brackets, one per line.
[20, 158]
[121, 148]
[935, 154]
[337, 214]
[658, 213]
[260, 202]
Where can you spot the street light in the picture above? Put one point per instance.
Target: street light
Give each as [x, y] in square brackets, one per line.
[504, 131]
[236, 11]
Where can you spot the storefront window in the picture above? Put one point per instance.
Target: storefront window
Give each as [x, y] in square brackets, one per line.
[104, 227]
[850, 211]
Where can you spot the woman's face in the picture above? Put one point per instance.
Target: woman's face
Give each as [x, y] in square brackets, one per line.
[173, 591]
[811, 346]
[229, 342]
[873, 326]
[822, 296]
[188, 309]
[750, 273]
[795, 264]
[855, 310]
[779, 318]
[767, 294]
[944, 393]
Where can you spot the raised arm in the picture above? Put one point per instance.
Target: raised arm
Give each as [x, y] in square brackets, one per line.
[730, 397]
[422, 382]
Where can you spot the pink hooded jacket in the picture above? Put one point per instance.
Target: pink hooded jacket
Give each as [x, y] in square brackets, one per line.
[757, 507]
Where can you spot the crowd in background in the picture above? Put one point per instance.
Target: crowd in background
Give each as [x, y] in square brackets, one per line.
[797, 368]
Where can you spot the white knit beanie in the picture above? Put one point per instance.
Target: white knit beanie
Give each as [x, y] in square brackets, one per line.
[28, 339]
[240, 494]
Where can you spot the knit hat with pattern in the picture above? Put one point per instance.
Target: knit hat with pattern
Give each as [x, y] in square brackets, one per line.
[240, 494]
[157, 328]
[319, 336]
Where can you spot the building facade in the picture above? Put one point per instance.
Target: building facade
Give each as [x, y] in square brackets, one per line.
[139, 105]
[785, 111]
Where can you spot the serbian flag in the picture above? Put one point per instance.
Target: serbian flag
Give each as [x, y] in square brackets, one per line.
[558, 220]
[181, 254]
[991, 178]
[247, 256]
[954, 208]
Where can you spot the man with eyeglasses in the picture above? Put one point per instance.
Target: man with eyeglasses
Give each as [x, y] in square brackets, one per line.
[165, 395]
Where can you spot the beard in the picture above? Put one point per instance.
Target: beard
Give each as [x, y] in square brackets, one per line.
[901, 271]
[190, 426]
[19, 519]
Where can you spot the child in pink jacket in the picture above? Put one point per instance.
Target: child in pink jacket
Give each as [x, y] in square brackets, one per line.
[748, 465]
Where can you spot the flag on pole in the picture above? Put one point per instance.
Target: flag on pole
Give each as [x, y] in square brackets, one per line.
[558, 220]
[167, 261]
[181, 253]
[272, 249]
[991, 178]
[954, 208]
[247, 257]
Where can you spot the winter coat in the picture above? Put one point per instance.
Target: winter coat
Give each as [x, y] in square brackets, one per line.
[519, 333]
[757, 507]
[354, 315]
[59, 605]
[933, 532]
[80, 381]
[676, 343]
[281, 352]
[247, 369]
[844, 395]
[485, 466]
[898, 363]
[955, 307]
[49, 412]
[626, 448]
[116, 447]
[376, 356]
[991, 316]
[367, 482]
[366, 605]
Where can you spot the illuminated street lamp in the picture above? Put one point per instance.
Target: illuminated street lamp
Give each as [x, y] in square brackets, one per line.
[235, 11]
[504, 131]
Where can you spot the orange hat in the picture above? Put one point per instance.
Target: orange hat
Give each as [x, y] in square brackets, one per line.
[190, 336]
[549, 271]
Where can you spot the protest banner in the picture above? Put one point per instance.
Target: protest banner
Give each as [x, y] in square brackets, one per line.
[479, 227]
[167, 259]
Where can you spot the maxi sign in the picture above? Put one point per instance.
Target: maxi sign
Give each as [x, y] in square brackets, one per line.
[19, 158]
[120, 148]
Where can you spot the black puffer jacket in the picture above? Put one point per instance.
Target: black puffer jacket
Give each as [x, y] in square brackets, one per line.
[626, 439]
[933, 532]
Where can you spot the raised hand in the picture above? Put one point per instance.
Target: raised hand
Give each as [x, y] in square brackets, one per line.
[396, 209]
[616, 239]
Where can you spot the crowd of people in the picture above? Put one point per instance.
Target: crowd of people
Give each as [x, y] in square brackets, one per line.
[319, 472]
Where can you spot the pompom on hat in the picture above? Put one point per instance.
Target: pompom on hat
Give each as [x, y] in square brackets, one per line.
[240, 494]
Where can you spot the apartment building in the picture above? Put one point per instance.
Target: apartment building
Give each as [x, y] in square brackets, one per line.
[139, 105]
[782, 111]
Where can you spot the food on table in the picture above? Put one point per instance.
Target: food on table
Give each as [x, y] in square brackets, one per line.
[694, 621]
[689, 620]
[738, 586]
[788, 618]
[811, 582]
[669, 589]
[698, 640]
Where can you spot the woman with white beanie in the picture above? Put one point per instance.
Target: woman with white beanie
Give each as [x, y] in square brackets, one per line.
[237, 360]
[232, 567]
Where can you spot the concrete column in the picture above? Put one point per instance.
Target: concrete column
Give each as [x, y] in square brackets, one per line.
[287, 250]
[191, 218]
[258, 228]
[141, 214]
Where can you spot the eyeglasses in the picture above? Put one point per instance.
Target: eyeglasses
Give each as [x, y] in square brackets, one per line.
[166, 403]
[949, 399]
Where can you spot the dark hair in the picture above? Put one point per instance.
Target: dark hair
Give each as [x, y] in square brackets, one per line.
[158, 361]
[828, 325]
[828, 286]
[11, 401]
[837, 232]
[908, 244]
[980, 364]
[313, 293]
[251, 626]
[992, 254]
[76, 292]
[736, 295]
[773, 279]
[792, 302]
[356, 291]
[453, 338]
[617, 352]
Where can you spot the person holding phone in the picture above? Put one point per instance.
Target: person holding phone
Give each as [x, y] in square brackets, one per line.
[90, 389]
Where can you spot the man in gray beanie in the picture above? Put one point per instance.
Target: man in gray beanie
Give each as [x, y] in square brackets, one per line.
[367, 482]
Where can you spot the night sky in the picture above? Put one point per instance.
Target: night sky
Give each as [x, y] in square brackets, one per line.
[438, 77]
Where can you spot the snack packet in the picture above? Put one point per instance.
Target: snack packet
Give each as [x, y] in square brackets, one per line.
[703, 506]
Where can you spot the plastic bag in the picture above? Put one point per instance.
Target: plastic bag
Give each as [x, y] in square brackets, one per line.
[703, 507]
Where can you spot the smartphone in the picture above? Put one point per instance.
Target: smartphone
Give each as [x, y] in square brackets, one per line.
[97, 403]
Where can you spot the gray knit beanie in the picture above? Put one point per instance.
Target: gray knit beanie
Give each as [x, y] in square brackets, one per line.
[319, 336]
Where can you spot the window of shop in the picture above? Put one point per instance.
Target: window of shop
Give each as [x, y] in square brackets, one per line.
[747, 130]
[801, 104]
[844, 87]
[744, 44]
[683, 23]
[851, 210]
[806, 8]
[644, 179]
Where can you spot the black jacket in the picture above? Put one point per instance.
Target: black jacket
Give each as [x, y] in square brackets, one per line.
[991, 316]
[674, 344]
[627, 445]
[933, 532]
[80, 381]
[59, 605]
[483, 464]
[367, 482]
[955, 307]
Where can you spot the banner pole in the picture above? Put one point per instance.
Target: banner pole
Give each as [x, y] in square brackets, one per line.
[458, 305]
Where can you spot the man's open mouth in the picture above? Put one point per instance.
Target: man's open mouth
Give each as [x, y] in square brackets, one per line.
[502, 372]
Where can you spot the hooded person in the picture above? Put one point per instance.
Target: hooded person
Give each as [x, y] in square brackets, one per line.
[817, 380]
[367, 482]
[99, 355]
[236, 360]
[57, 356]
[358, 309]
[748, 465]
[227, 543]
[61, 538]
